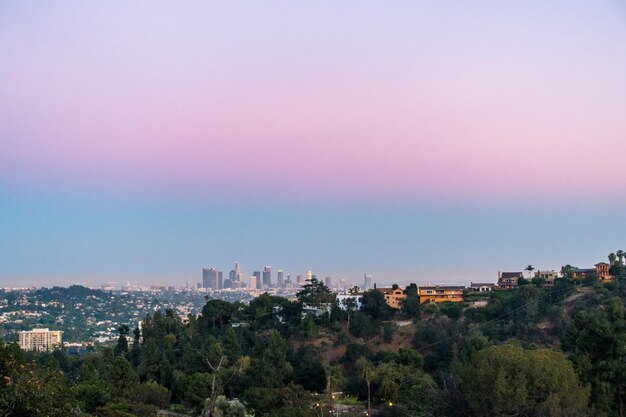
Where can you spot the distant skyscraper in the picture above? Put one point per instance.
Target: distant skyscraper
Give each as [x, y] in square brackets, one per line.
[328, 282]
[259, 283]
[252, 282]
[309, 275]
[205, 277]
[267, 277]
[239, 278]
[280, 278]
[343, 284]
[300, 279]
[367, 283]
[213, 281]
[220, 280]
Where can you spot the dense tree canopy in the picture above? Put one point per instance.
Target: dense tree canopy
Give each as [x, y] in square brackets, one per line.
[509, 380]
[533, 351]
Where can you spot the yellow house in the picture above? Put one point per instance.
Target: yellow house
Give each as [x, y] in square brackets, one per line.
[439, 293]
[393, 297]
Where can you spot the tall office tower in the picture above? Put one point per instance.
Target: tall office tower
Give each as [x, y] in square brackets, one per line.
[257, 274]
[328, 282]
[220, 280]
[205, 277]
[210, 279]
[239, 279]
[309, 275]
[252, 282]
[231, 276]
[367, 283]
[343, 284]
[280, 279]
[267, 277]
[300, 279]
[40, 340]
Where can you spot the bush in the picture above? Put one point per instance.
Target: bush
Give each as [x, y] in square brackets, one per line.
[389, 330]
[152, 393]
[429, 308]
[450, 309]
[363, 326]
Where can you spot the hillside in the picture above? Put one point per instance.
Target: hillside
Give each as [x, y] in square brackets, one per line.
[528, 351]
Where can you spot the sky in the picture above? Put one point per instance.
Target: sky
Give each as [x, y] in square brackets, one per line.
[416, 141]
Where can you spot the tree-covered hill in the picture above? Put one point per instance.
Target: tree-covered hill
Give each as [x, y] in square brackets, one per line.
[527, 352]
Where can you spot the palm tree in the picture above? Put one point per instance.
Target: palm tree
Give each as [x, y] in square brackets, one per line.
[566, 271]
[530, 270]
[612, 259]
[620, 255]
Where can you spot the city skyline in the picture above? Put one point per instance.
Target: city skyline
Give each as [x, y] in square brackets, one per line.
[416, 142]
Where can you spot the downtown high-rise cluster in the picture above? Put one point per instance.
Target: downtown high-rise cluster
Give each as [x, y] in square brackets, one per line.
[214, 280]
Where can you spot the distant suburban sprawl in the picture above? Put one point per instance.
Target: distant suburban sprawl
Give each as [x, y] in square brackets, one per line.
[86, 316]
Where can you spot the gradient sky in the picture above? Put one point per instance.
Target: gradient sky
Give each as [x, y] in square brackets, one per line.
[418, 141]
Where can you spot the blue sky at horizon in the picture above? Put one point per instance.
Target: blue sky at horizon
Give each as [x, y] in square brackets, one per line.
[416, 141]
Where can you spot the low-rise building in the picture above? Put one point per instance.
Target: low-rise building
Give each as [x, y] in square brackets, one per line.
[393, 297]
[40, 340]
[549, 278]
[602, 270]
[482, 286]
[509, 280]
[357, 297]
[439, 293]
[581, 273]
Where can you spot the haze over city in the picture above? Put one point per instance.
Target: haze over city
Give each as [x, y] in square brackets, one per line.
[419, 143]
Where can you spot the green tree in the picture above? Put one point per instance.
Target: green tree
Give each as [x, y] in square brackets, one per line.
[308, 370]
[152, 393]
[216, 314]
[349, 305]
[122, 378]
[216, 361]
[296, 402]
[315, 294]
[508, 380]
[135, 351]
[368, 373]
[27, 390]
[411, 304]
[566, 271]
[407, 388]
[122, 342]
[597, 342]
[374, 305]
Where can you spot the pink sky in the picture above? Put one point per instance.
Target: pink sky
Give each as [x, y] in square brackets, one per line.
[380, 101]
[418, 141]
